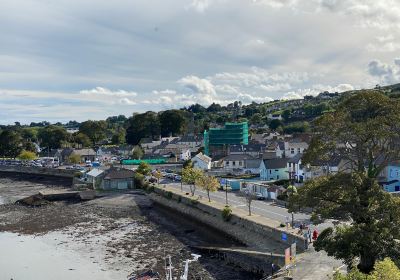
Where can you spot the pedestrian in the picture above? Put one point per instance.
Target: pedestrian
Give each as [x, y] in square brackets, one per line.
[305, 240]
[315, 234]
[309, 234]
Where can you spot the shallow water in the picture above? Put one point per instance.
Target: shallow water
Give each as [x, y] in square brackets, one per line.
[29, 257]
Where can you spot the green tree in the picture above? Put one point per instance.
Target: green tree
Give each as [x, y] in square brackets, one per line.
[74, 159]
[95, 130]
[82, 139]
[137, 152]
[274, 124]
[142, 126]
[172, 122]
[118, 137]
[144, 168]
[298, 127]
[52, 137]
[208, 183]
[158, 175]
[364, 131]
[10, 143]
[383, 270]
[189, 176]
[27, 155]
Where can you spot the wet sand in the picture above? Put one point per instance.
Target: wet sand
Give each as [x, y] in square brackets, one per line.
[117, 235]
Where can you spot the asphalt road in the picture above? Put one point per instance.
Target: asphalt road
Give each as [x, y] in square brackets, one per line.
[260, 207]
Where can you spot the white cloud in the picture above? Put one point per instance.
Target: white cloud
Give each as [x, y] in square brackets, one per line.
[385, 73]
[100, 91]
[315, 90]
[200, 5]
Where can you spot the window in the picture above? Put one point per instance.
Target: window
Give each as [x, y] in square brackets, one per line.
[276, 170]
[277, 177]
[240, 163]
[292, 150]
[233, 163]
[298, 150]
[270, 171]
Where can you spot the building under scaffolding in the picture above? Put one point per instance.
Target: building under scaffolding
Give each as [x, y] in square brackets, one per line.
[217, 140]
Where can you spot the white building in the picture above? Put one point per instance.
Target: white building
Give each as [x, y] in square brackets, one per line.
[294, 147]
[201, 161]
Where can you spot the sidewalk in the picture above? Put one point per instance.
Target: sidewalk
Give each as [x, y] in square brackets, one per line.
[313, 265]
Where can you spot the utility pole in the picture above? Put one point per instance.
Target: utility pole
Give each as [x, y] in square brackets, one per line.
[226, 191]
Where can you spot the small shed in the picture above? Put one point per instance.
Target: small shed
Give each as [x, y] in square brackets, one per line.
[118, 179]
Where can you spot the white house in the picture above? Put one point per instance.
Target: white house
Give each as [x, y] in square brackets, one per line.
[235, 161]
[274, 169]
[201, 161]
[293, 147]
[295, 168]
[185, 154]
[252, 166]
[275, 117]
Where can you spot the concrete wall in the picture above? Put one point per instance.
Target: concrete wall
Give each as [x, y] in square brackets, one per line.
[38, 171]
[252, 231]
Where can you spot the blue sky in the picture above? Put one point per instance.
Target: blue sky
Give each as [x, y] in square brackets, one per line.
[89, 59]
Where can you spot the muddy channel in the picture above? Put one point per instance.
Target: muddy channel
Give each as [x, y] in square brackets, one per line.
[106, 238]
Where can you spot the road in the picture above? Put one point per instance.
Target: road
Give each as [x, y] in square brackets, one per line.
[260, 207]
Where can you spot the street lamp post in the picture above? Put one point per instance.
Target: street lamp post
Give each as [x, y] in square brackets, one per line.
[226, 192]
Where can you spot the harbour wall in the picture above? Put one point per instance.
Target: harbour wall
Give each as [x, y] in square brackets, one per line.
[42, 171]
[257, 232]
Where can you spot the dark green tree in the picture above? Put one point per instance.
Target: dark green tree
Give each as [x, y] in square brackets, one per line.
[52, 137]
[142, 126]
[172, 122]
[95, 130]
[274, 124]
[363, 131]
[82, 139]
[10, 143]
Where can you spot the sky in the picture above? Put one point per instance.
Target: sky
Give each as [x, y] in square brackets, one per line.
[89, 59]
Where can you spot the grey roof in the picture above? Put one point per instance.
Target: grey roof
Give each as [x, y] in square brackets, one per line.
[85, 152]
[237, 157]
[275, 163]
[247, 148]
[203, 157]
[119, 173]
[296, 158]
[333, 160]
[252, 163]
[95, 172]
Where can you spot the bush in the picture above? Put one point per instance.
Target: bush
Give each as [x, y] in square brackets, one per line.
[282, 225]
[139, 180]
[282, 196]
[194, 201]
[227, 213]
[169, 195]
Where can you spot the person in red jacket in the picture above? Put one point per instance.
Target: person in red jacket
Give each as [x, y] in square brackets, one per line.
[315, 234]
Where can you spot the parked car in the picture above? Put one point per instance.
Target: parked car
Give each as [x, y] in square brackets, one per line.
[260, 196]
[178, 178]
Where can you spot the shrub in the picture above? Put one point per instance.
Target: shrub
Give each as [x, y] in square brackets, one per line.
[169, 195]
[227, 213]
[282, 225]
[194, 201]
[139, 180]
